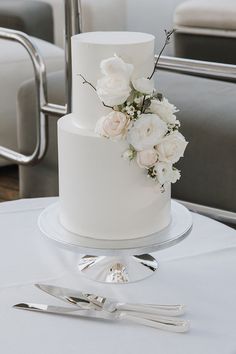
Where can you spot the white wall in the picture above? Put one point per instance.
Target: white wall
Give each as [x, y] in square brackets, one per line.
[103, 15]
[152, 16]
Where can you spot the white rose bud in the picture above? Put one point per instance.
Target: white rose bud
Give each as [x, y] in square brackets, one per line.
[165, 173]
[128, 154]
[146, 158]
[171, 148]
[165, 110]
[114, 125]
[143, 85]
[116, 66]
[113, 90]
[146, 132]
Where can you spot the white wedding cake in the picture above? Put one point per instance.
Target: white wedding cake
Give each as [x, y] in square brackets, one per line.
[101, 194]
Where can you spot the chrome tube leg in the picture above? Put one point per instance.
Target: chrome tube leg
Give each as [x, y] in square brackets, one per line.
[72, 27]
[41, 99]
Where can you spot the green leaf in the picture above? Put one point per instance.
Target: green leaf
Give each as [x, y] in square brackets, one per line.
[146, 104]
[158, 96]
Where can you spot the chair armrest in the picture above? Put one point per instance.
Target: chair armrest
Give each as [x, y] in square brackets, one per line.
[209, 70]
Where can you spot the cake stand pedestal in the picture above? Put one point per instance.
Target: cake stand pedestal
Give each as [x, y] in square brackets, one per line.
[117, 261]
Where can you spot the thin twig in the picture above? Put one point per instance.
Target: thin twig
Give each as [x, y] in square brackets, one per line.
[89, 83]
[142, 108]
[167, 41]
[106, 105]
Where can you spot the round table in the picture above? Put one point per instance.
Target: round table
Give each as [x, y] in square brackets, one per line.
[199, 272]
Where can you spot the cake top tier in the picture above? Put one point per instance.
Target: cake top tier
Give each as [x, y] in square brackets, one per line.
[114, 38]
[88, 50]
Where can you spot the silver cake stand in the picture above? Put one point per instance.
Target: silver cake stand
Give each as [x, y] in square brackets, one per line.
[119, 261]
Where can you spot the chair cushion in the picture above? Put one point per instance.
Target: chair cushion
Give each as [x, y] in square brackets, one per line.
[32, 17]
[44, 174]
[15, 68]
[215, 14]
[208, 121]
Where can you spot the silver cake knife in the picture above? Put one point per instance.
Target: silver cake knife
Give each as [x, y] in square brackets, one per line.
[83, 300]
[167, 324]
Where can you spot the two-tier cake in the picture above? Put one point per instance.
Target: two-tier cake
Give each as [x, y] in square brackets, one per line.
[102, 195]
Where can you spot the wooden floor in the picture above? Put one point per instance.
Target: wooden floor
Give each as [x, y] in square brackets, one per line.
[9, 183]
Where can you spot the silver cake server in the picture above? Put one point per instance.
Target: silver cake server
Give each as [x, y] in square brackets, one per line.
[84, 300]
[168, 324]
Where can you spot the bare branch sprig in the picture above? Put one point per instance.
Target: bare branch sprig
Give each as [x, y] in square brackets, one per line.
[87, 82]
[106, 105]
[94, 88]
[167, 41]
[142, 108]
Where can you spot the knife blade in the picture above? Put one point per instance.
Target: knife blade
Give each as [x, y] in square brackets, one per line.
[62, 310]
[84, 300]
[73, 297]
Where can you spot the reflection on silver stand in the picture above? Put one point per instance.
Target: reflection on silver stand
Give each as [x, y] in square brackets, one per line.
[117, 261]
[108, 269]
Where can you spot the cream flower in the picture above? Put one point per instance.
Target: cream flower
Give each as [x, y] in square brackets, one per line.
[116, 66]
[165, 173]
[147, 158]
[164, 110]
[146, 132]
[114, 125]
[128, 154]
[143, 85]
[113, 90]
[172, 147]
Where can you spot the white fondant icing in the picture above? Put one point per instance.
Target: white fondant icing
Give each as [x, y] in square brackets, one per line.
[88, 50]
[102, 195]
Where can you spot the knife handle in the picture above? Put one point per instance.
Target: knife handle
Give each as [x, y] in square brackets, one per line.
[163, 323]
[165, 310]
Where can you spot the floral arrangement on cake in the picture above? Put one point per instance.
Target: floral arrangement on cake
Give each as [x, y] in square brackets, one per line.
[142, 117]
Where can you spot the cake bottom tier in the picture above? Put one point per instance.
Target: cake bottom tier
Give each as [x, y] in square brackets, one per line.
[101, 195]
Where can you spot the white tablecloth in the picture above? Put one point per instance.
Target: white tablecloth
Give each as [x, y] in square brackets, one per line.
[199, 272]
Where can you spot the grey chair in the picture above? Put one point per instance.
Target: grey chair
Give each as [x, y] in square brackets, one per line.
[34, 18]
[205, 31]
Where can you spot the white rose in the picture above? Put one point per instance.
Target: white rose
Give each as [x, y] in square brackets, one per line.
[143, 85]
[165, 173]
[164, 110]
[147, 158]
[115, 65]
[171, 148]
[147, 131]
[114, 125]
[113, 90]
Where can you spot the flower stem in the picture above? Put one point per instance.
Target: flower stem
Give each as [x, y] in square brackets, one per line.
[167, 41]
[87, 82]
[142, 108]
[94, 88]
